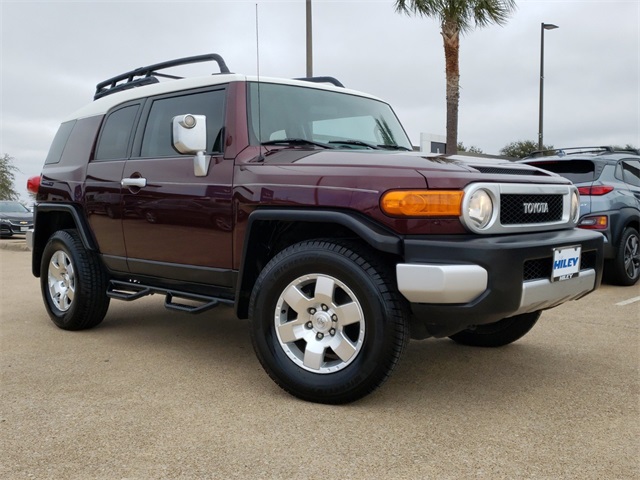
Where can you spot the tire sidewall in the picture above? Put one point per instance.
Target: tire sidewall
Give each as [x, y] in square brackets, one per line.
[365, 370]
[621, 277]
[60, 241]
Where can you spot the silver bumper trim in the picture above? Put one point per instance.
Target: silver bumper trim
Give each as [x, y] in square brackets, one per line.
[429, 283]
[543, 294]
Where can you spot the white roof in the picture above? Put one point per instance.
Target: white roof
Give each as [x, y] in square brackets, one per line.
[104, 104]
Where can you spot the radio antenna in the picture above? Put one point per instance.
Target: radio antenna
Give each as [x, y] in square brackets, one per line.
[260, 157]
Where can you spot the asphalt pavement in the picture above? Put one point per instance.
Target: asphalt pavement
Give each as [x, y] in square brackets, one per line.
[154, 394]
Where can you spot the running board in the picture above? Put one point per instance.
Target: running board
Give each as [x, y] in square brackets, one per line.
[129, 291]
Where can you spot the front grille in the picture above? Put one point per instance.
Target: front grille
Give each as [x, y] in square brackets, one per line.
[527, 209]
[542, 267]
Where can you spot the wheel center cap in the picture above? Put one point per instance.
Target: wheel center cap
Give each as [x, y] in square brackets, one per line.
[321, 322]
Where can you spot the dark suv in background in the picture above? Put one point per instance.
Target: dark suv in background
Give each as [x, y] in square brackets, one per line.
[609, 184]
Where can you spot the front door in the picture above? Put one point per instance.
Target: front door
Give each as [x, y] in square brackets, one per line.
[177, 225]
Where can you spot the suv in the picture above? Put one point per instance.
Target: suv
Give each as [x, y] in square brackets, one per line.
[302, 205]
[609, 186]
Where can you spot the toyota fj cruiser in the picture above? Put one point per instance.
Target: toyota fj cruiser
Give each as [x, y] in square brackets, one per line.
[301, 204]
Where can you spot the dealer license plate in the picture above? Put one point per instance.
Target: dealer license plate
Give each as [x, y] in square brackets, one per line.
[566, 263]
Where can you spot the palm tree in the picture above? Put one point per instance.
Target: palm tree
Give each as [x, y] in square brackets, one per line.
[456, 17]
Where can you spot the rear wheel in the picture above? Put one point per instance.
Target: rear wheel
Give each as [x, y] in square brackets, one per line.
[327, 324]
[498, 334]
[73, 283]
[626, 266]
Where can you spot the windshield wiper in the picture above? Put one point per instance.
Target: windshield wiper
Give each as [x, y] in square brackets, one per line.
[395, 147]
[358, 143]
[296, 141]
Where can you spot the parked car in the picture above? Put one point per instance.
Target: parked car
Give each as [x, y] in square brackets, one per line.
[15, 219]
[301, 204]
[609, 184]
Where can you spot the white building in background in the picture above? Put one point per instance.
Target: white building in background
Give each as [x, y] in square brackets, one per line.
[431, 143]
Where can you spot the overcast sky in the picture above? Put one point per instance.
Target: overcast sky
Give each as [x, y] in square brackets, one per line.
[54, 52]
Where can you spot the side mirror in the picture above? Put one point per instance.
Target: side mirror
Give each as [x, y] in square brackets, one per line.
[190, 136]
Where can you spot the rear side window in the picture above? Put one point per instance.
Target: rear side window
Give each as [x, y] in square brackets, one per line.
[59, 142]
[631, 172]
[114, 140]
[158, 135]
[578, 171]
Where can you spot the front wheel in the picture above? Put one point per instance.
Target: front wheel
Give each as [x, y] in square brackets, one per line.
[497, 334]
[327, 323]
[73, 283]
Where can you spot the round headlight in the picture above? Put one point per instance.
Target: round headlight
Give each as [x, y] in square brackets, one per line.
[575, 206]
[480, 208]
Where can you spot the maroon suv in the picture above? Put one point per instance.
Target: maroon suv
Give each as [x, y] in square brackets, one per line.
[301, 204]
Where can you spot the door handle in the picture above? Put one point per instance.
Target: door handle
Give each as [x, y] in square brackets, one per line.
[134, 182]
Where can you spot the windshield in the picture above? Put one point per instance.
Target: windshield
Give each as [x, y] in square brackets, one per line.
[13, 207]
[341, 120]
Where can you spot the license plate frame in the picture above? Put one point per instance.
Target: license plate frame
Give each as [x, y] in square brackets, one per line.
[566, 263]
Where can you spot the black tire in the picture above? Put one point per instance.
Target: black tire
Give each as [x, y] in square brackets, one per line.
[498, 334]
[625, 268]
[73, 283]
[349, 303]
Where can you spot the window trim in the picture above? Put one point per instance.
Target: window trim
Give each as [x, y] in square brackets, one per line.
[135, 126]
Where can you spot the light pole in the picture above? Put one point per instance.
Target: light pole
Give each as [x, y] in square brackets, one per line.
[543, 27]
[309, 41]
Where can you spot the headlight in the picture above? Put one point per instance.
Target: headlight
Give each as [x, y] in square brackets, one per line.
[480, 208]
[575, 206]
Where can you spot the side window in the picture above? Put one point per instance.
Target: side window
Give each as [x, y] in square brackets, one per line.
[114, 140]
[631, 172]
[59, 142]
[157, 139]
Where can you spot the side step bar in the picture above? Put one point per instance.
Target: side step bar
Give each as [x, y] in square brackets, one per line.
[129, 291]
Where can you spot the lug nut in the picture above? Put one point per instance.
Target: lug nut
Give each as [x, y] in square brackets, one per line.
[319, 336]
[324, 307]
[334, 317]
[309, 325]
[332, 332]
[312, 311]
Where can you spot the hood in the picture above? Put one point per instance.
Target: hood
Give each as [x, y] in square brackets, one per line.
[18, 216]
[440, 171]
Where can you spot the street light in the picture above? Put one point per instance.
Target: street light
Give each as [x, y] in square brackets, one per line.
[543, 27]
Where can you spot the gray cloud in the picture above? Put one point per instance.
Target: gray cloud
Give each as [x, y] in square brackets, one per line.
[53, 53]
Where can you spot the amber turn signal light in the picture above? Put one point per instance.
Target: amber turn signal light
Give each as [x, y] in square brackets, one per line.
[422, 203]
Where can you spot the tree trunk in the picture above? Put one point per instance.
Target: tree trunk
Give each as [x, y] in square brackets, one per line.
[451, 38]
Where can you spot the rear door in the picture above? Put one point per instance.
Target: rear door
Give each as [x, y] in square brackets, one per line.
[175, 224]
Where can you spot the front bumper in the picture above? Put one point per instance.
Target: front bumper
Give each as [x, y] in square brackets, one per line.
[14, 228]
[454, 282]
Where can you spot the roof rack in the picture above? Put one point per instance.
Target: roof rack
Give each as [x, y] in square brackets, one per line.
[563, 151]
[331, 80]
[148, 75]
